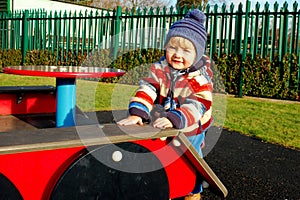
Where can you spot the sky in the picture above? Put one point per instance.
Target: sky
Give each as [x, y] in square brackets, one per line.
[253, 3]
[263, 2]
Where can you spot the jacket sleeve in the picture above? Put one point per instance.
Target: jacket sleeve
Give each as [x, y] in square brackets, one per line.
[142, 103]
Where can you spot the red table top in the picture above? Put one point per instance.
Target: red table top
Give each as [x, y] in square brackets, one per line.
[64, 71]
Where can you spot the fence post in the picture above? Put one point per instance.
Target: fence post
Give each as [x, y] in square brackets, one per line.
[245, 48]
[238, 29]
[24, 47]
[274, 34]
[117, 27]
[237, 45]
[297, 50]
[284, 27]
[214, 31]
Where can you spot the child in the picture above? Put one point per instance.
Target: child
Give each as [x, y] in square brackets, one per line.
[178, 91]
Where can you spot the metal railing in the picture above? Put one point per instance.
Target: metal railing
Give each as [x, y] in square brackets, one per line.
[267, 32]
[230, 30]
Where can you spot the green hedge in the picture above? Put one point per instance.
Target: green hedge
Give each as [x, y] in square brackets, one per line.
[41, 57]
[10, 58]
[262, 77]
[57, 57]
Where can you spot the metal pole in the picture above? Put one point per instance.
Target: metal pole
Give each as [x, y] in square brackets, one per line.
[24, 47]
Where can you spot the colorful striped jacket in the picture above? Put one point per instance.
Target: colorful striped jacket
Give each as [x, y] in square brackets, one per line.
[183, 96]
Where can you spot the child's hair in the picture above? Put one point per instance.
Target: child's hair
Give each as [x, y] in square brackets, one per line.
[180, 42]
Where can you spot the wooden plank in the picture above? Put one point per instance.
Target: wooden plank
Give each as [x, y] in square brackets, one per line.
[87, 135]
[10, 123]
[200, 165]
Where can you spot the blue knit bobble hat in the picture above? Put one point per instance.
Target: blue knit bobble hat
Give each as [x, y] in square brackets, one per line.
[192, 28]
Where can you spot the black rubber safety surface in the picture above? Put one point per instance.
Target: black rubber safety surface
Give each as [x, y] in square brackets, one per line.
[252, 169]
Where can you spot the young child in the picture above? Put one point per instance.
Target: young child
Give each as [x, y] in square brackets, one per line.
[178, 91]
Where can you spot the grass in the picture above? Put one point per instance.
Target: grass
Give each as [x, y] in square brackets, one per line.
[272, 121]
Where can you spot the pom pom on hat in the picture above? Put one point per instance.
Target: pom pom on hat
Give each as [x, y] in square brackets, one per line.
[196, 15]
[192, 28]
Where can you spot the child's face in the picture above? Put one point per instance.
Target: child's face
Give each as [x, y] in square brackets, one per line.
[180, 53]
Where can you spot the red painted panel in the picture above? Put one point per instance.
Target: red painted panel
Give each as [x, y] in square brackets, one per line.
[30, 104]
[181, 175]
[35, 173]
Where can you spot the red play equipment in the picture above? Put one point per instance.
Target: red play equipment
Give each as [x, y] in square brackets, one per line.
[41, 161]
[35, 174]
[53, 163]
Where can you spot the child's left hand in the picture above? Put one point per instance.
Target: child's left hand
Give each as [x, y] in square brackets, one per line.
[162, 123]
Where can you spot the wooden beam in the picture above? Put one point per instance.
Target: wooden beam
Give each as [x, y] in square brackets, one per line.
[87, 135]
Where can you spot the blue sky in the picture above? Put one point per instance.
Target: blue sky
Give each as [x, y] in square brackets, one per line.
[253, 3]
[262, 2]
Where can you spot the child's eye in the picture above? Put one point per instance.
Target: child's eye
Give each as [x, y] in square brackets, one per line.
[171, 49]
[187, 51]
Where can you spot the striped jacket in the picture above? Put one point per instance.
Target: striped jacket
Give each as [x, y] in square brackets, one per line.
[183, 96]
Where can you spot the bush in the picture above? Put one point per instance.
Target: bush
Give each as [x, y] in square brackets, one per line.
[10, 58]
[57, 57]
[262, 77]
[226, 73]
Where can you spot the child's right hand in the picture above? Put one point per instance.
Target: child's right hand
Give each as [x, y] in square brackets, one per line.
[131, 120]
[162, 123]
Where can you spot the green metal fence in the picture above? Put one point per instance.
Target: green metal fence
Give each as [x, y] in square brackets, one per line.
[268, 31]
[258, 31]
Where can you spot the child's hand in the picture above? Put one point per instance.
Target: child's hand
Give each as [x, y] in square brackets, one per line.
[131, 120]
[162, 123]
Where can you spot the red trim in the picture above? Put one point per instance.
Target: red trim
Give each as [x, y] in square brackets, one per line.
[33, 72]
[31, 103]
[143, 95]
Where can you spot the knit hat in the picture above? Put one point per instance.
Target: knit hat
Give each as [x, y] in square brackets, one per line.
[192, 28]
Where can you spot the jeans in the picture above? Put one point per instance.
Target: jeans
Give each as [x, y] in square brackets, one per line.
[197, 141]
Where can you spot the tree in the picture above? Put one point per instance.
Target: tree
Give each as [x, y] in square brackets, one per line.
[197, 3]
[111, 4]
[191, 3]
[218, 2]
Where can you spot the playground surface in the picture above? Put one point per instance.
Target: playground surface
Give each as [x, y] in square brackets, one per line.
[252, 169]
